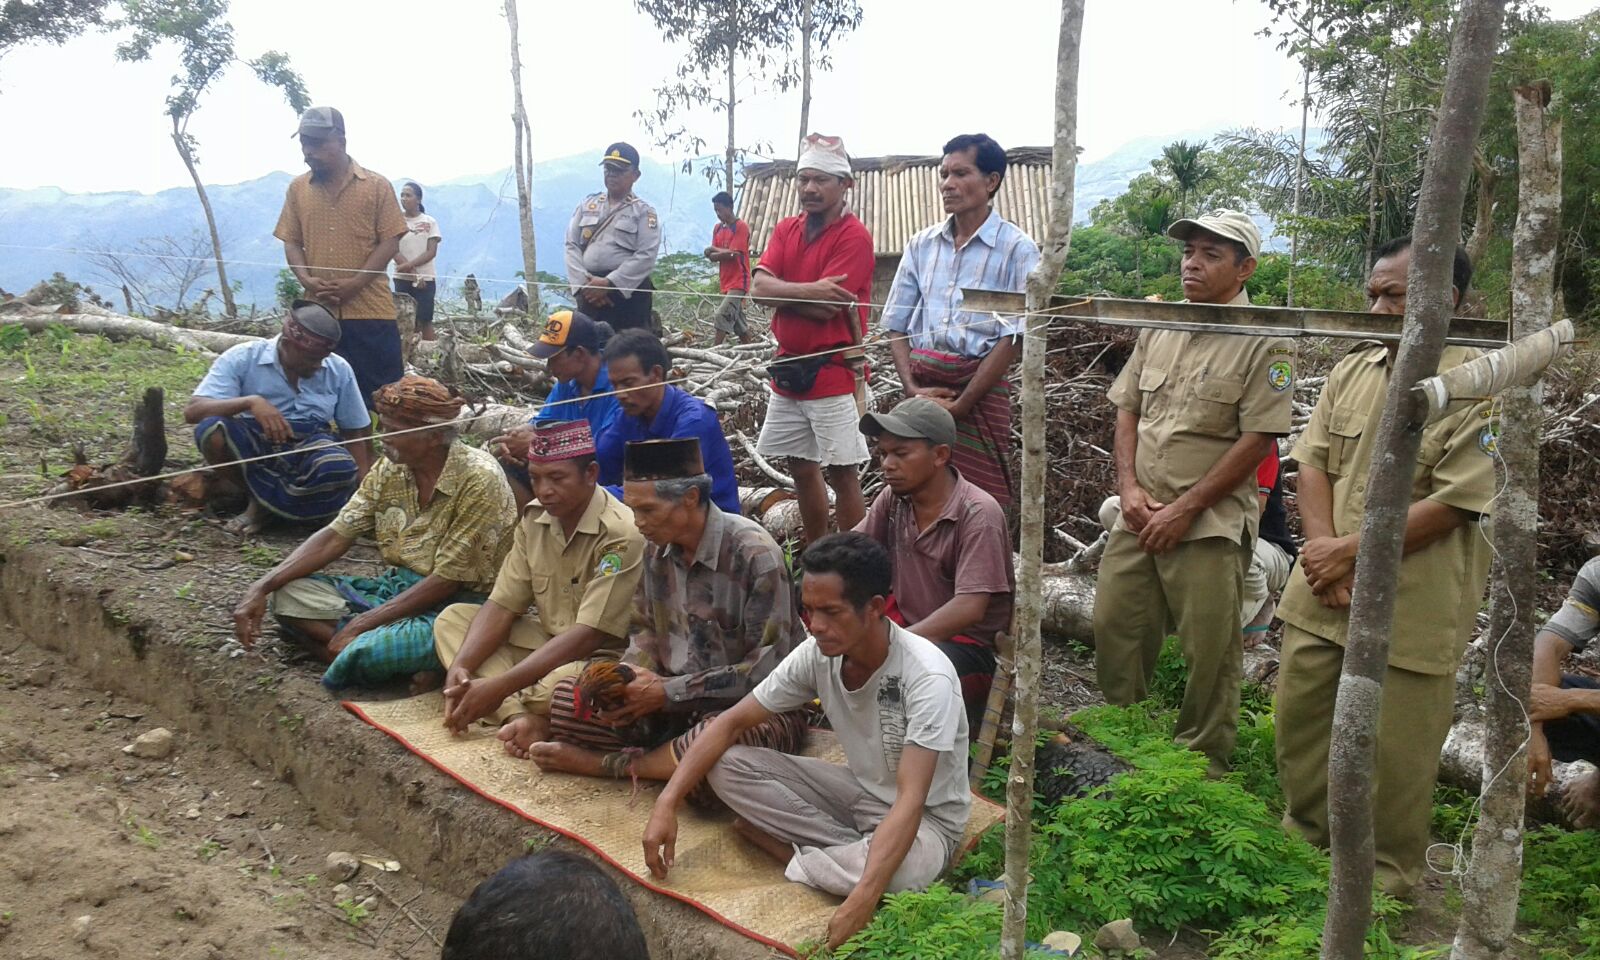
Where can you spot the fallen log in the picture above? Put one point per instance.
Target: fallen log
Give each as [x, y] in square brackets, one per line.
[117, 327]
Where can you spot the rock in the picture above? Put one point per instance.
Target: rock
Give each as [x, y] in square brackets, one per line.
[191, 814]
[41, 676]
[1067, 943]
[340, 866]
[341, 892]
[155, 745]
[1117, 935]
[80, 928]
[369, 904]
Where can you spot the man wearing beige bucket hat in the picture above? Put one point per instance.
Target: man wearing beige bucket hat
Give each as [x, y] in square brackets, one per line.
[1196, 413]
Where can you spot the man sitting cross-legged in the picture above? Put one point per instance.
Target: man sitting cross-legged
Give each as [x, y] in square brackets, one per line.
[953, 578]
[889, 819]
[714, 614]
[443, 517]
[576, 559]
[279, 396]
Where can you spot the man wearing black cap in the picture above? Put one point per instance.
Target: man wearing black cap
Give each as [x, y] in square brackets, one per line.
[341, 225]
[612, 245]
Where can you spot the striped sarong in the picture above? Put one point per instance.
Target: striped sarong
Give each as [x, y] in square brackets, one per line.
[303, 483]
[983, 438]
[394, 650]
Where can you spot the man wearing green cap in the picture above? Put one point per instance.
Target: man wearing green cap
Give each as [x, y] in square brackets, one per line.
[612, 244]
[1196, 413]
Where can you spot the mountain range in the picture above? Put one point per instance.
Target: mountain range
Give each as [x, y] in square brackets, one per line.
[46, 230]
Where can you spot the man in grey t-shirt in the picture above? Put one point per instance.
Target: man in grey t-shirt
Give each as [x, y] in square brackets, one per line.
[1565, 708]
[889, 819]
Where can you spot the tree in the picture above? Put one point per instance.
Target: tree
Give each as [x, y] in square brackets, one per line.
[820, 23]
[29, 21]
[1429, 305]
[1041, 287]
[522, 168]
[1184, 164]
[205, 52]
[1142, 212]
[156, 271]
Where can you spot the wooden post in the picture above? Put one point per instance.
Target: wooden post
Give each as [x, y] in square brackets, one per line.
[523, 167]
[1437, 231]
[1041, 286]
[1493, 879]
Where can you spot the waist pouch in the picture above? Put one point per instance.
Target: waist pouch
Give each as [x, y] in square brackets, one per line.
[797, 375]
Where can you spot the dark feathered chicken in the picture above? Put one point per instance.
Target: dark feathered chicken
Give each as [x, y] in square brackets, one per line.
[1071, 765]
[600, 690]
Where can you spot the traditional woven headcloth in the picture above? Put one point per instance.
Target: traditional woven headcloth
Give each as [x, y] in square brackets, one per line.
[418, 400]
[310, 326]
[825, 155]
[555, 440]
[674, 459]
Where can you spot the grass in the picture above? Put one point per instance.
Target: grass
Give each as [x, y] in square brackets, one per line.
[354, 913]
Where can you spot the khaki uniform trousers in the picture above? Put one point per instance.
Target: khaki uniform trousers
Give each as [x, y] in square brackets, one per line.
[1195, 591]
[1414, 719]
[527, 635]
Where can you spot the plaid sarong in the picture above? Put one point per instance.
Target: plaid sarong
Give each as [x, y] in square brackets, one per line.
[397, 649]
[983, 439]
[302, 484]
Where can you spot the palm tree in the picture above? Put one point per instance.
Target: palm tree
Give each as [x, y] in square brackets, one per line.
[1188, 171]
[1145, 217]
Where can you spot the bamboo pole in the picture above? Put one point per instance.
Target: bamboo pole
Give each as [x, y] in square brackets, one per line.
[1041, 285]
[1494, 877]
[1429, 303]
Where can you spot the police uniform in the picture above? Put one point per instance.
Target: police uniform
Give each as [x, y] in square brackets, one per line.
[553, 584]
[1195, 394]
[1436, 605]
[620, 242]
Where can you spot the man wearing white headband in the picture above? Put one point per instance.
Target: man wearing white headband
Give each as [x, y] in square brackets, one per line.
[816, 273]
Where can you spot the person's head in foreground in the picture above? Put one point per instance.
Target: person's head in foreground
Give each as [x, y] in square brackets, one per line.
[551, 905]
[1386, 284]
[913, 442]
[665, 484]
[821, 176]
[562, 470]
[637, 364]
[570, 345]
[844, 591]
[1219, 254]
[971, 172]
[417, 416]
[309, 335]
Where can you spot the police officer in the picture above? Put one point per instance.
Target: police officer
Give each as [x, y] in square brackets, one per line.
[1442, 576]
[1196, 413]
[612, 245]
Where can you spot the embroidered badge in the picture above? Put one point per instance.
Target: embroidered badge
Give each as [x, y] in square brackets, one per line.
[652, 221]
[1488, 440]
[1274, 351]
[1280, 374]
[610, 564]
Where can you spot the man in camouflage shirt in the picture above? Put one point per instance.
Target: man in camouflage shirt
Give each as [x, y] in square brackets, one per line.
[714, 613]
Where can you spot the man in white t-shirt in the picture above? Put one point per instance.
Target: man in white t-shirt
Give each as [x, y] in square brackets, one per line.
[890, 819]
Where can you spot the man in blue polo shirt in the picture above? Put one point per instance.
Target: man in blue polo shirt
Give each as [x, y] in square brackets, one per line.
[654, 410]
[280, 396]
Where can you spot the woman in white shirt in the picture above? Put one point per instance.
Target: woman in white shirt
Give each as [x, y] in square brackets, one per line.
[413, 262]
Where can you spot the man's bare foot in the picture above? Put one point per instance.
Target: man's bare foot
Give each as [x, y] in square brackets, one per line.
[772, 846]
[521, 733]
[1581, 800]
[248, 523]
[555, 757]
[425, 680]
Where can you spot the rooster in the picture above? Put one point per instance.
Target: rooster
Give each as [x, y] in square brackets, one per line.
[600, 690]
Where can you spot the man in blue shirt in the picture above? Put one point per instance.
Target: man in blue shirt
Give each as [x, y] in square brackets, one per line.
[570, 347]
[280, 396]
[654, 410]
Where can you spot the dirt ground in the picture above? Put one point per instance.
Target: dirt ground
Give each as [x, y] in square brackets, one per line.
[197, 856]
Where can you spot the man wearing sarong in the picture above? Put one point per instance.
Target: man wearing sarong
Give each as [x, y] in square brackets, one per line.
[443, 517]
[280, 396]
[564, 595]
[944, 352]
[953, 581]
[714, 613]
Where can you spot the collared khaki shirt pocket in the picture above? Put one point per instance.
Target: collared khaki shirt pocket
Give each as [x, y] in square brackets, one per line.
[1152, 399]
[1344, 435]
[539, 583]
[1215, 410]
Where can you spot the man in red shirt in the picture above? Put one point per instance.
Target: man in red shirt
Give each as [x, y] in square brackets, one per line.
[816, 273]
[730, 250]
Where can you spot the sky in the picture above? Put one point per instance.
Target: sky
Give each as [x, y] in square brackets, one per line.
[425, 86]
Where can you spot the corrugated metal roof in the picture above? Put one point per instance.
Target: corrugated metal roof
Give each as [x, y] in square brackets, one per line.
[897, 196]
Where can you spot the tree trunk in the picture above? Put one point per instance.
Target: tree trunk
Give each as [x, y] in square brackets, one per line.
[1041, 286]
[211, 220]
[1483, 222]
[806, 26]
[1299, 181]
[1494, 877]
[1375, 175]
[113, 327]
[1429, 307]
[523, 167]
[733, 97]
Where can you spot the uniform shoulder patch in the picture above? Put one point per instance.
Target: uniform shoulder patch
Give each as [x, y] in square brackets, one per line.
[1488, 439]
[609, 564]
[651, 220]
[1280, 374]
[1280, 351]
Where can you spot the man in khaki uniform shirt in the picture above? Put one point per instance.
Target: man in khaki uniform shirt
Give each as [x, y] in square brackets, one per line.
[576, 559]
[1441, 586]
[1196, 412]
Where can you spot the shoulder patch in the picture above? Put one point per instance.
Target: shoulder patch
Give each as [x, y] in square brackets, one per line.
[1275, 351]
[609, 564]
[593, 204]
[651, 220]
[1488, 439]
[1280, 374]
